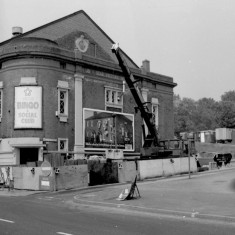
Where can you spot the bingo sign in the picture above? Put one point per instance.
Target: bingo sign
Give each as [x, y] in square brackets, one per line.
[28, 107]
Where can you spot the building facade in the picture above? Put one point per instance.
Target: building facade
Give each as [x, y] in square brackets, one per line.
[58, 80]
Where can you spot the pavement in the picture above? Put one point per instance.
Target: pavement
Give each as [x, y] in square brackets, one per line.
[5, 192]
[206, 195]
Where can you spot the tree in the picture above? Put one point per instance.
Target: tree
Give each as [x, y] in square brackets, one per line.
[190, 115]
[183, 114]
[205, 115]
[226, 114]
[228, 96]
[226, 110]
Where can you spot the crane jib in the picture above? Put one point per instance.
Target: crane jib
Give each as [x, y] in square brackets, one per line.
[141, 103]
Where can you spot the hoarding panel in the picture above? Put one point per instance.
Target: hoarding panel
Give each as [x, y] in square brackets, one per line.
[108, 130]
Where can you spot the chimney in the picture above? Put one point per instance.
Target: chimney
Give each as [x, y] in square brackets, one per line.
[146, 66]
[16, 31]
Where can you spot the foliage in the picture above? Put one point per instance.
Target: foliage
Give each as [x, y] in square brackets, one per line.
[204, 114]
[226, 114]
[228, 96]
[206, 109]
[183, 114]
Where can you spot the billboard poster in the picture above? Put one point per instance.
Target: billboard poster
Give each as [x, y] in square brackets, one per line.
[108, 130]
[28, 107]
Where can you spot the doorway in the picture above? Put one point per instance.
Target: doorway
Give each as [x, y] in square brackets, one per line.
[28, 155]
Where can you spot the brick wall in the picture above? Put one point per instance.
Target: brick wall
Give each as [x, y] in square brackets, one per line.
[41, 60]
[47, 74]
[79, 22]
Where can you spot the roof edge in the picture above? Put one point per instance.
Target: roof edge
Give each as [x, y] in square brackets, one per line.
[61, 19]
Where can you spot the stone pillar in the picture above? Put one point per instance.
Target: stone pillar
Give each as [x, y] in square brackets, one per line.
[78, 134]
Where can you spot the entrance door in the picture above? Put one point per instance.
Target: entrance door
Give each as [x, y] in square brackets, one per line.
[28, 155]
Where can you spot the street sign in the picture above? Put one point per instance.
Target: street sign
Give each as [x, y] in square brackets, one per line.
[46, 168]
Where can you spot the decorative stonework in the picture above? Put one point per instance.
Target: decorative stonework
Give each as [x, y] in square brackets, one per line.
[101, 73]
[82, 44]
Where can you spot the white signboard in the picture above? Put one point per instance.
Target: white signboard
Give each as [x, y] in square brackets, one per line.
[28, 107]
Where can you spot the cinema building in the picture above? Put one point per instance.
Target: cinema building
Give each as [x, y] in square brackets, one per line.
[61, 89]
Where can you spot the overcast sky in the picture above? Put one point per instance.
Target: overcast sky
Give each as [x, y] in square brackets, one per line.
[192, 41]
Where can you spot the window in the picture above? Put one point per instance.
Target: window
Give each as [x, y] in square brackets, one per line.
[62, 112]
[113, 99]
[63, 101]
[62, 144]
[155, 111]
[107, 95]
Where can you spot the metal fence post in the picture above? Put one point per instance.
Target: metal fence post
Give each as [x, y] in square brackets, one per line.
[189, 150]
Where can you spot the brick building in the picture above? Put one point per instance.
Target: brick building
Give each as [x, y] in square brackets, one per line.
[54, 78]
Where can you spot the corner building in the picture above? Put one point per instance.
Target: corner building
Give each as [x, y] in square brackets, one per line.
[61, 89]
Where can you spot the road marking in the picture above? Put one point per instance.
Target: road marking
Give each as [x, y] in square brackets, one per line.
[8, 221]
[64, 233]
[44, 198]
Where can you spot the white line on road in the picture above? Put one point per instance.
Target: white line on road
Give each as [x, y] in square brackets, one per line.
[8, 221]
[64, 233]
[44, 198]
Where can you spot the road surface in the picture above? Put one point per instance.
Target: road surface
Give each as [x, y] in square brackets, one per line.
[169, 206]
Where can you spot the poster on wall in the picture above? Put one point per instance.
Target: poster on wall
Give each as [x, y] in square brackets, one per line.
[28, 107]
[108, 130]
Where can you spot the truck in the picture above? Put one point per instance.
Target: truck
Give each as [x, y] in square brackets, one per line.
[223, 135]
[153, 147]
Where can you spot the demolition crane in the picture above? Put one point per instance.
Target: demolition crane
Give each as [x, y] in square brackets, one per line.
[151, 146]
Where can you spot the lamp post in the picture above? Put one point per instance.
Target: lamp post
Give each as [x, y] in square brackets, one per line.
[189, 153]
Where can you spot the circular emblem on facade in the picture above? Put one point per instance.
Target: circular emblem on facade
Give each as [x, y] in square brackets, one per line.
[82, 43]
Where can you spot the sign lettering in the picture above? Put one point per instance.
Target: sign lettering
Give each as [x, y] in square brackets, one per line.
[28, 107]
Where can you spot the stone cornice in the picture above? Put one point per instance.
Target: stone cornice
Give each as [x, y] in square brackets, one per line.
[60, 54]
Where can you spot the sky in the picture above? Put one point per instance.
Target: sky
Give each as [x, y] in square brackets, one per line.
[192, 41]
